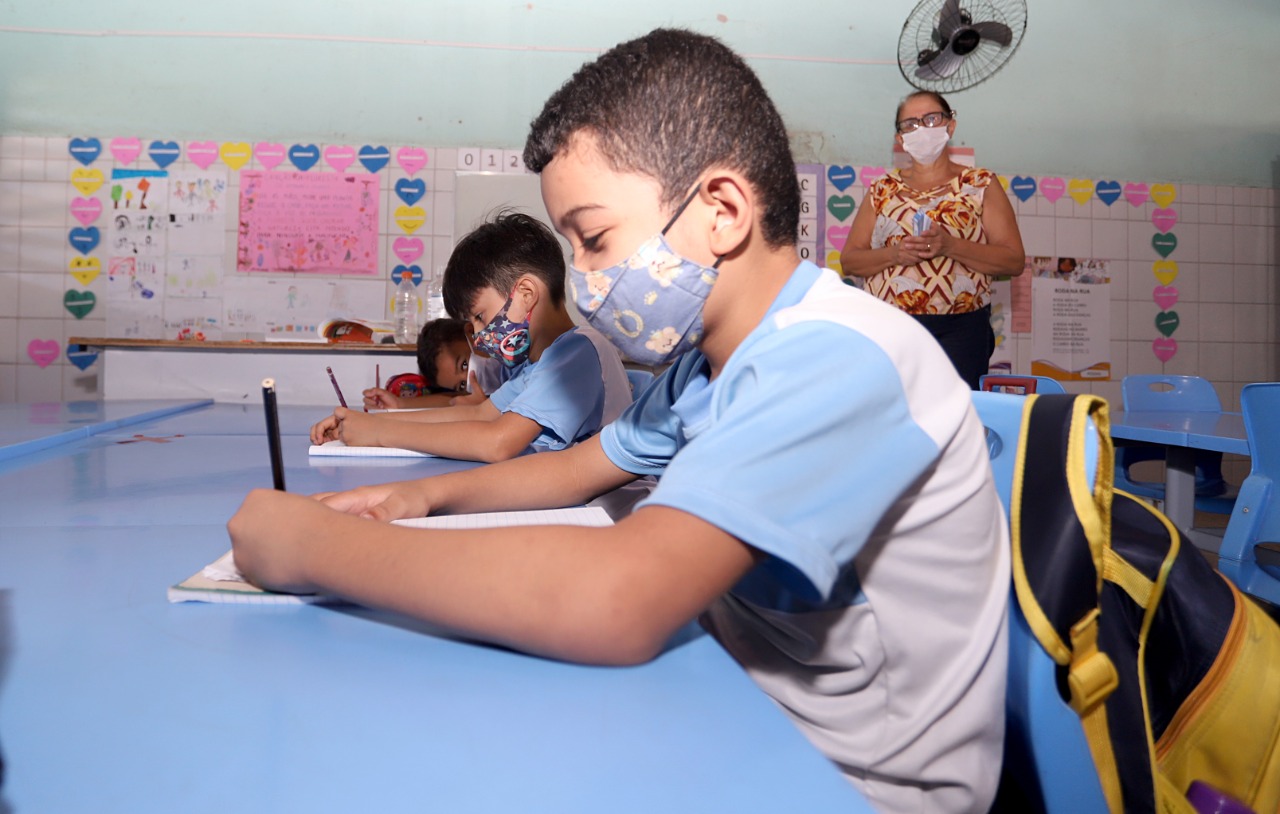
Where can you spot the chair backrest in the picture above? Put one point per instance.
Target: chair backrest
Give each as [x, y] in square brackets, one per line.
[1020, 385]
[1256, 517]
[639, 381]
[1160, 392]
[1046, 752]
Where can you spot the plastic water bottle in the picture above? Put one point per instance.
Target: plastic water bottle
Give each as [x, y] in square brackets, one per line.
[435, 295]
[404, 310]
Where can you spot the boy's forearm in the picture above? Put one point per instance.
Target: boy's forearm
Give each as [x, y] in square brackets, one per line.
[460, 440]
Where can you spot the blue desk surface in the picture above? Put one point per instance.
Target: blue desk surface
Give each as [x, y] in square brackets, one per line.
[26, 428]
[1220, 432]
[112, 699]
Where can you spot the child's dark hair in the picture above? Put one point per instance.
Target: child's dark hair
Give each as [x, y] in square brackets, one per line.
[435, 335]
[496, 254]
[670, 105]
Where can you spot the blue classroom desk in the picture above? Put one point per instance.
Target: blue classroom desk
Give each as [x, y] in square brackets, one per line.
[112, 699]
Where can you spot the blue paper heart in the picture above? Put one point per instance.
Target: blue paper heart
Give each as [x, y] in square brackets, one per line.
[415, 270]
[164, 153]
[1107, 191]
[411, 190]
[841, 177]
[1023, 187]
[374, 158]
[81, 358]
[85, 150]
[304, 156]
[84, 240]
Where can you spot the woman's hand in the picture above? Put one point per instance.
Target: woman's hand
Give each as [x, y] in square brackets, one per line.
[936, 242]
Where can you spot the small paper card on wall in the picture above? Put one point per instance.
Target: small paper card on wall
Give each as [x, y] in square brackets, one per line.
[1071, 320]
[197, 212]
[308, 221]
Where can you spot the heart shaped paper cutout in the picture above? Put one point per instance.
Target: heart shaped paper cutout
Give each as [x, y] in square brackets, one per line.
[85, 269]
[841, 206]
[79, 303]
[1052, 188]
[304, 156]
[1165, 296]
[84, 239]
[410, 218]
[1022, 187]
[202, 153]
[1004, 182]
[870, 174]
[1136, 194]
[411, 190]
[235, 154]
[1164, 244]
[1163, 194]
[86, 182]
[164, 153]
[1108, 191]
[1167, 322]
[1166, 271]
[1164, 348]
[407, 249]
[374, 158]
[81, 357]
[837, 235]
[42, 351]
[1080, 190]
[833, 262]
[411, 159]
[125, 150]
[414, 270]
[841, 177]
[85, 150]
[1164, 219]
[339, 156]
[269, 154]
[86, 210]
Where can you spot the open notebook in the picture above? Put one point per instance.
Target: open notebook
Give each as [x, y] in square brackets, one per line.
[337, 449]
[219, 581]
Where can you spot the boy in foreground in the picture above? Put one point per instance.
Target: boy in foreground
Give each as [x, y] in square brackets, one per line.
[843, 540]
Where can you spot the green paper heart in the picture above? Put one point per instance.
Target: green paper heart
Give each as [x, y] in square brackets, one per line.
[1167, 322]
[1164, 244]
[841, 206]
[79, 303]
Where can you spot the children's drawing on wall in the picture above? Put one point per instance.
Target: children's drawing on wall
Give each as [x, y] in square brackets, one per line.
[195, 320]
[1000, 300]
[1071, 318]
[314, 222]
[138, 214]
[197, 207]
[193, 276]
[288, 309]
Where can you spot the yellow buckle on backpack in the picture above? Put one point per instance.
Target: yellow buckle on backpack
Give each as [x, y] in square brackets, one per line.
[1091, 677]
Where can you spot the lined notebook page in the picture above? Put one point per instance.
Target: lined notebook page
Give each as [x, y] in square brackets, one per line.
[341, 450]
[574, 516]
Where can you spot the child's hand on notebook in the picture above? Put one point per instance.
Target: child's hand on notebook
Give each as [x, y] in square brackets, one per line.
[271, 534]
[384, 502]
[376, 398]
[327, 428]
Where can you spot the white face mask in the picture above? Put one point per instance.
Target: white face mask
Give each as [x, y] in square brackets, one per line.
[925, 144]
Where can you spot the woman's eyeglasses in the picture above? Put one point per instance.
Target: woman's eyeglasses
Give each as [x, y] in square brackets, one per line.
[928, 120]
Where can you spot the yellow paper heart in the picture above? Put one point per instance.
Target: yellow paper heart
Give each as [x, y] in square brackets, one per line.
[1163, 194]
[833, 262]
[1004, 181]
[1166, 271]
[85, 269]
[86, 180]
[410, 218]
[1080, 190]
[235, 154]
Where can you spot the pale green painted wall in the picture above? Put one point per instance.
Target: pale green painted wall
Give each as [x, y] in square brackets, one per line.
[1138, 89]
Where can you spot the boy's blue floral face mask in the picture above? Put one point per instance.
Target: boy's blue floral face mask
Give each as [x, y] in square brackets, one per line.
[650, 304]
[503, 339]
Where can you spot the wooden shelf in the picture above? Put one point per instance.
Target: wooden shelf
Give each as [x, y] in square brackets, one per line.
[244, 345]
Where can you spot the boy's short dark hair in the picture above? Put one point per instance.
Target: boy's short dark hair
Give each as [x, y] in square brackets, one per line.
[496, 254]
[670, 105]
[435, 335]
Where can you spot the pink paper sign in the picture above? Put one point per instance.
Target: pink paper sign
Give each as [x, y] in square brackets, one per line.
[324, 223]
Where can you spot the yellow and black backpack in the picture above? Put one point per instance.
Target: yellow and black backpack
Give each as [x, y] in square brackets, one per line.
[1174, 673]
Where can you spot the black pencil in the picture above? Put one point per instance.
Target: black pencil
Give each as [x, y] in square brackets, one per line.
[273, 432]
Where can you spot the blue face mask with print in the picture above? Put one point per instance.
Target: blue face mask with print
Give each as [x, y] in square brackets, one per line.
[503, 339]
[649, 305]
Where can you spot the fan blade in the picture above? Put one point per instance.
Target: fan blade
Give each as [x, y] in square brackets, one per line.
[949, 20]
[996, 32]
[941, 66]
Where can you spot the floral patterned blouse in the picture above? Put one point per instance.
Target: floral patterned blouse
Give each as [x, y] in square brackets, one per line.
[941, 285]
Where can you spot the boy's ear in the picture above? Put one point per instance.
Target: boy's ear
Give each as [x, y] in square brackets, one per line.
[736, 209]
[528, 291]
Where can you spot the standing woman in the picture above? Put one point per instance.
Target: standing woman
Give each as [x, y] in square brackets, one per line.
[938, 270]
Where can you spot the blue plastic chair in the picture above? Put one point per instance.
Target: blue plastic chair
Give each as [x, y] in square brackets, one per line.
[1046, 755]
[1020, 385]
[639, 381]
[1156, 392]
[1250, 553]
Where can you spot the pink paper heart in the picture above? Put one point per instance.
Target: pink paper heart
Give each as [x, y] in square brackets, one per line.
[86, 210]
[1164, 219]
[43, 351]
[269, 154]
[407, 249]
[1165, 296]
[1164, 348]
[1052, 188]
[339, 156]
[202, 153]
[126, 149]
[411, 159]
[1136, 194]
[870, 174]
[837, 235]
